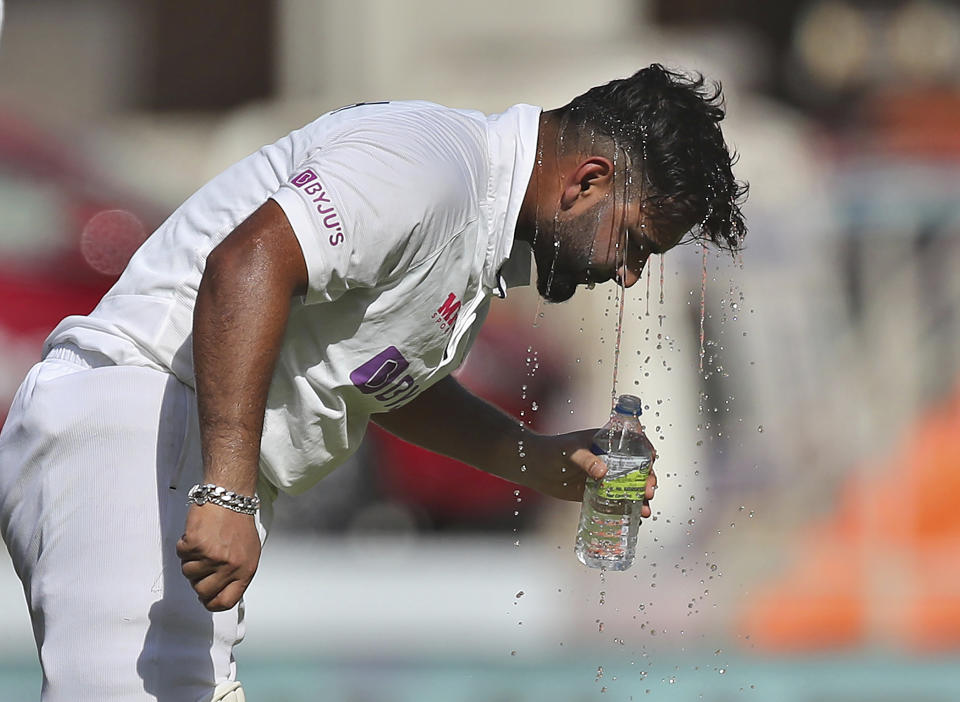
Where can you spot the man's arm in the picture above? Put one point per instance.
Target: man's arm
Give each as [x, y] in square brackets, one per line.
[238, 326]
[450, 420]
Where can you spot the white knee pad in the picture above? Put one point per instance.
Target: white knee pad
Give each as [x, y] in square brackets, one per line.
[228, 692]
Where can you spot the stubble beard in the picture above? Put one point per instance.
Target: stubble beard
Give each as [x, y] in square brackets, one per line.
[561, 269]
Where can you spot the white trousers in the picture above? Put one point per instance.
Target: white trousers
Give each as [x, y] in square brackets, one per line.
[95, 464]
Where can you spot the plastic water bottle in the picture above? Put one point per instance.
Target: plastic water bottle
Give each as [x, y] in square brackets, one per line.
[610, 516]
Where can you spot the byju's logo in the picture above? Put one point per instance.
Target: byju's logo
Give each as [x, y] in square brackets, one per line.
[302, 179]
[383, 377]
[309, 183]
[446, 314]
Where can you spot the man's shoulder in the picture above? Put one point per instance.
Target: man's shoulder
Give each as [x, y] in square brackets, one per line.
[399, 114]
[413, 121]
[386, 106]
[414, 143]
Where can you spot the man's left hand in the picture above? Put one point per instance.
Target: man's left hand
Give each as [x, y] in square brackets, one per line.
[559, 466]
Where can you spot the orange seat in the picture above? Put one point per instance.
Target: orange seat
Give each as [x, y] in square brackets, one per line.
[886, 562]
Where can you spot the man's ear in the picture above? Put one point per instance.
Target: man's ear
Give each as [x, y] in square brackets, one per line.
[587, 181]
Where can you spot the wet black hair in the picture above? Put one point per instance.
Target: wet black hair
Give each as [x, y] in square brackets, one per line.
[670, 123]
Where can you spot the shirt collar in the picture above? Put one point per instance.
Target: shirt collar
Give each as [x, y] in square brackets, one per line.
[512, 138]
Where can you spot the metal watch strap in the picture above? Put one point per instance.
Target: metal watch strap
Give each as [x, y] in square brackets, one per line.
[201, 494]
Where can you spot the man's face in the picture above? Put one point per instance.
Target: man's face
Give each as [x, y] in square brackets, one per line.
[607, 241]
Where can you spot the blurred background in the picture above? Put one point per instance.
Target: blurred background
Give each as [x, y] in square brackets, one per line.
[805, 539]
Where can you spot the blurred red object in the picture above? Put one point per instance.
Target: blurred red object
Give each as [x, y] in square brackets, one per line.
[67, 234]
[919, 122]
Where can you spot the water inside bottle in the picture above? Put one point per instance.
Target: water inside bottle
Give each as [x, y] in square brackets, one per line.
[607, 537]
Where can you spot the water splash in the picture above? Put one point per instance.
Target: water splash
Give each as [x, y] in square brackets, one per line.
[621, 260]
[662, 258]
[538, 315]
[561, 130]
[617, 344]
[703, 304]
[648, 291]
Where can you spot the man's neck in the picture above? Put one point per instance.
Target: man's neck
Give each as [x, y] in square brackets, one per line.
[541, 179]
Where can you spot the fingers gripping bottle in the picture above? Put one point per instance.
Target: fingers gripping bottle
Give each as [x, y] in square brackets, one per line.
[610, 516]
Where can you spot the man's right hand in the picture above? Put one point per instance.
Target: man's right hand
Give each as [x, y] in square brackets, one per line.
[239, 320]
[220, 550]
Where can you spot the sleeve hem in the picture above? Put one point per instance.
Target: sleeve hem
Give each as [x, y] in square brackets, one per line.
[296, 213]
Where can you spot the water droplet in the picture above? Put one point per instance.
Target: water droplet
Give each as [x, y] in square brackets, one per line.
[760, 428]
[519, 595]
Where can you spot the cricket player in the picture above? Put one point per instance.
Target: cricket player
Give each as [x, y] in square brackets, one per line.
[333, 278]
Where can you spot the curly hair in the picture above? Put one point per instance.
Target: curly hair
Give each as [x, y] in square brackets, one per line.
[670, 123]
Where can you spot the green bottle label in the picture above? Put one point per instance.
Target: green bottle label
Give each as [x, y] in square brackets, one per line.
[627, 486]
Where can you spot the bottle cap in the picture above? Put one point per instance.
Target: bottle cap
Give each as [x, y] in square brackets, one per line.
[628, 404]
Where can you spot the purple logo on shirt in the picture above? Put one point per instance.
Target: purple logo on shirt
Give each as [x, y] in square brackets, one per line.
[303, 178]
[308, 181]
[373, 375]
[382, 376]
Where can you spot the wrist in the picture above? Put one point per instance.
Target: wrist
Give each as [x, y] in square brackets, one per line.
[525, 454]
[538, 447]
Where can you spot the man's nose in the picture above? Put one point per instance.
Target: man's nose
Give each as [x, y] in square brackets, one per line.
[629, 272]
[627, 276]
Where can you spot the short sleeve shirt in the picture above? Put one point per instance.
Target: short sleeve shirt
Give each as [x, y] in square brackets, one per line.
[405, 214]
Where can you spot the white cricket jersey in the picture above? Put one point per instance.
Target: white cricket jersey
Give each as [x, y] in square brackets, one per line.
[405, 213]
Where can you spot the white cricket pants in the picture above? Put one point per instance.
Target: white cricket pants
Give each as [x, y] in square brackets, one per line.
[95, 463]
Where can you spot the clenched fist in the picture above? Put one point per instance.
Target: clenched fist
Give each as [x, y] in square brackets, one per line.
[220, 550]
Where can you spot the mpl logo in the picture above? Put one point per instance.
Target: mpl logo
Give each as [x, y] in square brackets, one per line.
[446, 314]
[383, 377]
[309, 182]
